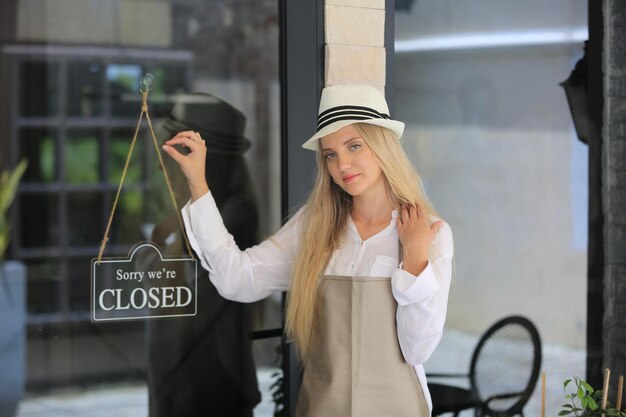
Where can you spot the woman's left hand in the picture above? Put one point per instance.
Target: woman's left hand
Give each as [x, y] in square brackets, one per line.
[416, 235]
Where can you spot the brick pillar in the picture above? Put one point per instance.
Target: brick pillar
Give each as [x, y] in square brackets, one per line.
[614, 188]
[355, 42]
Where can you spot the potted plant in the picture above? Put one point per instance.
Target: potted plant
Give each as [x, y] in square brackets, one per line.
[12, 305]
[587, 402]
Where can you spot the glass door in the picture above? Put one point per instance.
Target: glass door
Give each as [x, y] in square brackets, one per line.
[71, 75]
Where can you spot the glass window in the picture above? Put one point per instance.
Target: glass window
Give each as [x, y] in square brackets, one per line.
[82, 153]
[123, 84]
[43, 295]
[39, 88]
[84, 218]
[39, 220]
[489, 130]
[129, 218]
[79, 283]
[38, 146]
[119, 146]
[85, 88]
[73, 70]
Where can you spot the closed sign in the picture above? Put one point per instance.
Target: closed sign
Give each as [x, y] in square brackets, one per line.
[143, 286]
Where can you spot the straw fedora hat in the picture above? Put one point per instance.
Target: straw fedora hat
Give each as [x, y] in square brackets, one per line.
[342, 105]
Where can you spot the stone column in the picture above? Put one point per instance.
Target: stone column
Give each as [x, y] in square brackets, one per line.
[614, 188]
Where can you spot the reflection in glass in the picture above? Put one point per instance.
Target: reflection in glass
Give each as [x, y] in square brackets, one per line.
[267, 313]
[169, 80]
[84, 89]
[39, 88]
[123, 80]
[76, 105]
[82, 156]
[204, 365]
[84, 218]
[37, 146]
[126, 226]
[79, 284]
[44, 276]
[39, 217]
[119, 145]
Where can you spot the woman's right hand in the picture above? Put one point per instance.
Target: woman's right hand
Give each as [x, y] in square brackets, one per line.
[192, 164]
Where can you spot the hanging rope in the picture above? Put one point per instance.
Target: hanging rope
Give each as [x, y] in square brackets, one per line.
[146, 84]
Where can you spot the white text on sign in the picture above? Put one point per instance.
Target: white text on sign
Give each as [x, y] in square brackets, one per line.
[122, 275]
[139, 298]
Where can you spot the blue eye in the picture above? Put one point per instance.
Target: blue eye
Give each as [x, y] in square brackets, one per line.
[329, 155]
[355, 146]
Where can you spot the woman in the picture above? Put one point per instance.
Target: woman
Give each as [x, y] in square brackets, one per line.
[366, 262]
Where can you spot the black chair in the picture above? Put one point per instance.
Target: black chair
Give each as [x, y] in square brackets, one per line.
[503, 373]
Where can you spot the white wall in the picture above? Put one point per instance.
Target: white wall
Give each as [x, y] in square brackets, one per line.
[490, 131]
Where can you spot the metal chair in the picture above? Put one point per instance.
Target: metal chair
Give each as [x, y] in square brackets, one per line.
[503, 372]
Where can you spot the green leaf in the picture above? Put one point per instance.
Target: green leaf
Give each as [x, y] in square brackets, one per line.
[564, 412]
[8, 186]
[566, 383]
[583, 401]
[587, 386]
[593, 404]
[580, 393]
[4, 241]
[567, 405]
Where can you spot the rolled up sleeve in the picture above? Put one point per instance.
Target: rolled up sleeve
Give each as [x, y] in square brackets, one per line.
[423, 300]
[244, 276]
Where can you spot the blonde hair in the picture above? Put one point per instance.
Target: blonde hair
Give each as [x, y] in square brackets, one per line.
[323, 225]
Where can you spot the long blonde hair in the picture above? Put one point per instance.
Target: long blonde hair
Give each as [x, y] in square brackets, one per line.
[323, 225]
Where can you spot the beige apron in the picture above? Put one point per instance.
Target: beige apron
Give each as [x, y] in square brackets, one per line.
[355, 365]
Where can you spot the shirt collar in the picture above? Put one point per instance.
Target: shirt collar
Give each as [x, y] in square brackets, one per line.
[353, 234]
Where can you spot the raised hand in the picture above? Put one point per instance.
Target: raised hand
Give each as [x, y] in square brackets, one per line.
[416, 235]
[192, 164]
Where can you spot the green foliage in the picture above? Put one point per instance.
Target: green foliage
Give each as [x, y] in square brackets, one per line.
[119, 148]
[585, 401]
[8, 185]
[160, 79]
[81, 160]
[46, 159]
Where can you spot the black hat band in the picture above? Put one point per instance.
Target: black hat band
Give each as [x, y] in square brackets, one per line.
[338, 113]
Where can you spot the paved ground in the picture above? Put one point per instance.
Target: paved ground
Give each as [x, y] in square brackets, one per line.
[116, 401]
[452, 355]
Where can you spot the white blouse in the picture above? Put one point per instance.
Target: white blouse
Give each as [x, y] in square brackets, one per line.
[253, 274]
